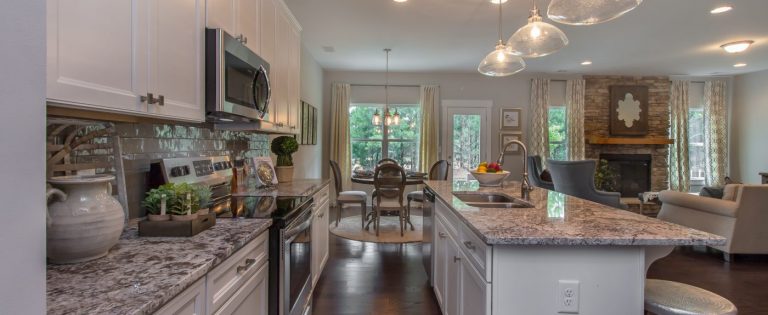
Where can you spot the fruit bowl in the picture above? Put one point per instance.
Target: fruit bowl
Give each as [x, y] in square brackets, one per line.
[490, 179]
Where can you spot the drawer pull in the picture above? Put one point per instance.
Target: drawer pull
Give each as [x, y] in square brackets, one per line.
[442, 235]
[248, 263]
[469, 245]
[456, 259]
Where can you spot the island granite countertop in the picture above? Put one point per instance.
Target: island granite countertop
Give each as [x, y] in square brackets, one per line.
[295, 188]
[141, 274]
[559, 219]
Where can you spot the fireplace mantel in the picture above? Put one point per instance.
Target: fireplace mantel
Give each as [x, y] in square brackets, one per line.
[629, 140]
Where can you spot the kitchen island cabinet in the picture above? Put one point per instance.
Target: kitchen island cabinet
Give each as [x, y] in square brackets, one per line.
[560, 255]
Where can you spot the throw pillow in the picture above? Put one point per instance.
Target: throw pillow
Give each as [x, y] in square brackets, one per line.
[730, 192]
[545, 176]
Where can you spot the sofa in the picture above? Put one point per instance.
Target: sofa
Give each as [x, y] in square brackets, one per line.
[741, 216]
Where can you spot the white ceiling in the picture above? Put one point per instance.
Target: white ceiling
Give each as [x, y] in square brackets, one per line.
[661, 37]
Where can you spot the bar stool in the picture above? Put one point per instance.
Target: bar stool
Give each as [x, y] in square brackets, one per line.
[664, 297]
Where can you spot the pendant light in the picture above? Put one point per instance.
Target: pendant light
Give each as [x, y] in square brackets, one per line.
[588, 12]
[376, 120]
[389, 119]
[501, 62]
[537, 38]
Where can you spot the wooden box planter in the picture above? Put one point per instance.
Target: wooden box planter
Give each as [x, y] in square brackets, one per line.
[177, 228]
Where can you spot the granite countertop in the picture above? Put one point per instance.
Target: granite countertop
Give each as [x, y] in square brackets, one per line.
[141, 274]
[295, 188]
[558, 219]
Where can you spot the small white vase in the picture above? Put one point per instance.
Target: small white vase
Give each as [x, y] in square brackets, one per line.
[86, 221]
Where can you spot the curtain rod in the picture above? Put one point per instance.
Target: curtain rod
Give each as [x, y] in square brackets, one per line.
[390, 85]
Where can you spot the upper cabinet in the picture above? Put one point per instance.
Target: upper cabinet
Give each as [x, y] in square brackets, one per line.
[239, 18]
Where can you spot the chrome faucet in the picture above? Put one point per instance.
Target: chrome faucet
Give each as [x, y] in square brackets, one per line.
[525, 187]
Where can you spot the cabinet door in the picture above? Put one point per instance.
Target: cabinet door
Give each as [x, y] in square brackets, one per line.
[319, 241]
[251, 299]
[267, 23]
[439, 268]
[325, 236]
[281, 71]
[221, 14]
[248, 23]
[189, 302]
[475, 293]
[90, 57]
[176, 39]
[295, 79]
[453, 299]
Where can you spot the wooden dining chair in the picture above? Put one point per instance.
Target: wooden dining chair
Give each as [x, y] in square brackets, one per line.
[389, 182]
[438, 171]
[386, 161]
[347, 197]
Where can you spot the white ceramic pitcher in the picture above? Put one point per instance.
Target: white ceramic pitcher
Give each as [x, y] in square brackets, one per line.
[85, 222]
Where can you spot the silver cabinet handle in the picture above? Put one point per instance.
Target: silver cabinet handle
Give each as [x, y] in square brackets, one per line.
[456, 259]
[469, 245]
[293, 127]
[240, 38]
[245, 40]
[161, 100]
[248, 263]
[442, 235]
[149, 99]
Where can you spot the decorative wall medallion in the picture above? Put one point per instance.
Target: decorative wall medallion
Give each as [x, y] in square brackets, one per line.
[629, 110]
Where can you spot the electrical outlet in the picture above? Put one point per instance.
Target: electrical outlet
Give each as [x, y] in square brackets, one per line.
[568, 297]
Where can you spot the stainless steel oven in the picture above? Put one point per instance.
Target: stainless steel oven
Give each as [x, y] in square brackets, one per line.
[296, 264]
[236, 80]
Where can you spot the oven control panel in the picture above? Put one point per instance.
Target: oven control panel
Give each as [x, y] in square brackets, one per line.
[203, 167]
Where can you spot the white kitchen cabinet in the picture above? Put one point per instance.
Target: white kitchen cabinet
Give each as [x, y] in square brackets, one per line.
[176, 58]
[111, 55]
[267, 24]
[439, 276]
[90, 55]
[320, 234]
[453, 297]
[239, 18]
[189, 302]
[251, 298]
[475, 293]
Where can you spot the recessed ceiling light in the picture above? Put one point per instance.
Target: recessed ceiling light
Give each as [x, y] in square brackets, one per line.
[737, 47]
[400, 0]
[498, 1]
[740, 65]
[721, 9]
[586, 62]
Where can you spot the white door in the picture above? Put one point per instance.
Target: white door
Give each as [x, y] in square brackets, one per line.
[175, 45]
[466, 140]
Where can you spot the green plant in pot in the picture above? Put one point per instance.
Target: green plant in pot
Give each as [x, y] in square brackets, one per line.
[204, 198]
[185, 203]
[283, 147]
[153, 203]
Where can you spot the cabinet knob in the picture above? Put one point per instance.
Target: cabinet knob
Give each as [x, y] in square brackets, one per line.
[240, 38]
[245, 40]
[161, 100]
[442, 235]
[149, 99]
[456, 258]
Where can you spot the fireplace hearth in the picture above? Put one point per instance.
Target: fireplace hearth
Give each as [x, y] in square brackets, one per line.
[633, 172]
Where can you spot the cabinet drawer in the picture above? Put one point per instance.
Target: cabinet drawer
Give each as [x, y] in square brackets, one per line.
[321, 196]
[230, 275]
[450, 220]
[478, 253]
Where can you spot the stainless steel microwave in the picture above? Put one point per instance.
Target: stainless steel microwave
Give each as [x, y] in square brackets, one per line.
[236, 80]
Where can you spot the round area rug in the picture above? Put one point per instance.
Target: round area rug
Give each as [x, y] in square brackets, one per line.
[349, 228]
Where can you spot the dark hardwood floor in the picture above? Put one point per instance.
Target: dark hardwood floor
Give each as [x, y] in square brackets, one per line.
[370, 278]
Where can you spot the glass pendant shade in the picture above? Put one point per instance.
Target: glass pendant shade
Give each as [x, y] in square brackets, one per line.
[387, 119]
[501, 62]
[396, 118]
[588, 12]
[537, 38]
[376, 118]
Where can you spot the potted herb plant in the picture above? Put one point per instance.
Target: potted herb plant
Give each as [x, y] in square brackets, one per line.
[156, 203]
[204, 198]
[283, 147]
[186, 202]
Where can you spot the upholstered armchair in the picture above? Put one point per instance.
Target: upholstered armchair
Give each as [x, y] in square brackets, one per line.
[534, 173]
[577, 178]
[741, 216]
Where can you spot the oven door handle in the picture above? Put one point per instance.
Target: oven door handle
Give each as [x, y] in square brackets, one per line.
[292, 232]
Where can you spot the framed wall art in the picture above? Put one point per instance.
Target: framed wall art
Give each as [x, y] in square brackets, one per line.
[628, 110]
[308, 124]
[506, 137]
[511, 119]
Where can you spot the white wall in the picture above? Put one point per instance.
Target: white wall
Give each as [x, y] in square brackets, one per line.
[22, 134]
[505, 92]
[307, 161]
[749, 153]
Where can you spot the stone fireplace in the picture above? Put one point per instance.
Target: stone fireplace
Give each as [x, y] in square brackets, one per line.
[647, 147]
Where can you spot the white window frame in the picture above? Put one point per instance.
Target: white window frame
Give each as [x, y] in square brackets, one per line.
[383, 108]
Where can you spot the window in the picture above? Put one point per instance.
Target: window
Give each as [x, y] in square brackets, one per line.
[371, 143]
[696, 151]
[558, 132]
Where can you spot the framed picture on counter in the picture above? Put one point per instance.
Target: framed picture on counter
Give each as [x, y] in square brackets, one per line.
[511, 119]
[506, 137]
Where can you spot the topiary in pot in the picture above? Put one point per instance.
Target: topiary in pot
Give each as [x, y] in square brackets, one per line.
[153, 203]
[283, 147]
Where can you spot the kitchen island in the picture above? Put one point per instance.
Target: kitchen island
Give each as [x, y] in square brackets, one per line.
[141, 274]
[560, 254]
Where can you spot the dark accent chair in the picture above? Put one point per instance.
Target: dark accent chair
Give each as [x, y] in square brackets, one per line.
[438, 171]
[534, 173]
[347, 197]
[577, 178]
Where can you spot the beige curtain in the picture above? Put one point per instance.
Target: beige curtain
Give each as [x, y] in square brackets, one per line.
[429, 99]
[574, 103]
[340, 145]
[679, 172]
[716, 131]
[538, 142]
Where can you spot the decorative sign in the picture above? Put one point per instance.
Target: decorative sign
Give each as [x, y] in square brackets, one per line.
[629, 110]
[308, 124]
[511, 119]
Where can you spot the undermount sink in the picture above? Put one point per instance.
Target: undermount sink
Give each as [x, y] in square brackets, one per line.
[491, 200]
